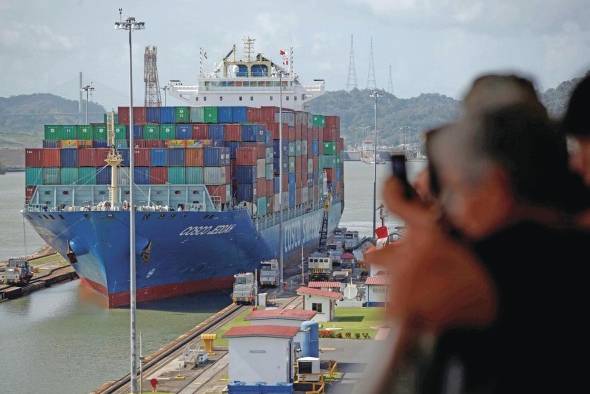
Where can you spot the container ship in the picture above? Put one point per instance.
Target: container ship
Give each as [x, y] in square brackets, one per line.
[206, 183]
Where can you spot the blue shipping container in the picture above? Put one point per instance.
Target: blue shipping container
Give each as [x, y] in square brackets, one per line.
[159, 157]
[216, 132]
[261, 134]
[249, 133]
[103, 175]
[184, 131]
[68, 157]
[239, 114]
[141, 175]
[232, 146]
[276, 184]
[125, 155]
[292, 178]
[153, 114]
[99, 144]
[291, 197]
[224, 114]
[245, 174]
[138, 132]
[315, 147]
[50, 143]
[175, 157]
[216, 156]
[167, 115]
[246, 192]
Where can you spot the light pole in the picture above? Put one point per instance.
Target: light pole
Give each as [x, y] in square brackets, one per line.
[375, 95]
[165, 89]
[281, 236]
[87, 89]
[131, 24]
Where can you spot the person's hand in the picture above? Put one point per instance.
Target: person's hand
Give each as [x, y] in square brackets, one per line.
[435, 282]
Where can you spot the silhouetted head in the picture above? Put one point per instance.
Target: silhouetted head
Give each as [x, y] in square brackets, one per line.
[491, 92]
[493, 164]
[576, 124]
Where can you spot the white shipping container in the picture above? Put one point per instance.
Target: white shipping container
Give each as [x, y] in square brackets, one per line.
[123, 176]
[276, 202]
[304, 195]
[260, 168]
[285, 200]
[214, 175]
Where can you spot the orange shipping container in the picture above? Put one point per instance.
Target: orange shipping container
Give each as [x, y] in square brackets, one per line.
[260, 187]
[193, 157]
[246, 155]
[51, 157]
[232, 132]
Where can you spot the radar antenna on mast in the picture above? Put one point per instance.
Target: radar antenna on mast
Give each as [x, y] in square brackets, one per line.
[249, 47]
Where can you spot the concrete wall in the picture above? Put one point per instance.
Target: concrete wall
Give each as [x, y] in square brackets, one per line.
[259, 359]
[327, 307]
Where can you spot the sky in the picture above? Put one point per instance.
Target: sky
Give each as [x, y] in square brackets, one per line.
[432, 46]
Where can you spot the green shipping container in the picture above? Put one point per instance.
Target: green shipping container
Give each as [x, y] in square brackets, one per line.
[69, 176]
[291, 164]
[318, 121]
[197, 115]
[120, 132]
[297, 148]
[151, 132]
[87, 176]
[167, 132]
[33, 176]
[121, 144]
[261, 206]
[176, 176]
[70, 132]
[85, 132]
[182, 114]
[194, 175]
[99, 132]
[292, 149]
[210, 114]
[53, 132]
[329, 148]
[104, 117]
[303, 148]
[269, 172]
[310, 166]
[327, 161]
[51, 176]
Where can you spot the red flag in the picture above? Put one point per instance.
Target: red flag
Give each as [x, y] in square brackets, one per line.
[381, 232]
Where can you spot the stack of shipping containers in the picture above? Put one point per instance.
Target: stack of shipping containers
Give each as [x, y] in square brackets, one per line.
[234, 151]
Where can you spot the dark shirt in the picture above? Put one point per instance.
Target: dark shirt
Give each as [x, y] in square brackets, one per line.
[538, 342]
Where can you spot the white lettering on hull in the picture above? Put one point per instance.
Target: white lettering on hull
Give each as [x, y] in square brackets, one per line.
[207, 230]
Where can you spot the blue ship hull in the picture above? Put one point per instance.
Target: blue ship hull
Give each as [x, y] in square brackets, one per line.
[188, 251]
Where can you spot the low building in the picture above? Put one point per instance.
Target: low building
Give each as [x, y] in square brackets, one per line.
[320, 301]
[280, 317]
[325, 285]
[377, 290]
[264, 353]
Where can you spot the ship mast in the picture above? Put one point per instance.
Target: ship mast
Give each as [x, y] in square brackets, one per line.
[113, 160]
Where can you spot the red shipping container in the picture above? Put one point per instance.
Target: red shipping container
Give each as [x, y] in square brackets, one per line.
[285, 182]
[86, 157]
[246, 155]
[142, 157]
[159, 175]
[29, 192]
[33, 157]
[200, 131]
[298, 132]
[332, 122]
[270, 187]
[193, 157]
[291, 133]
[253, 115]
[298, 195]
[329, 174]
[139, 115]
[123, 114]
[99, 157]
[232, 132]
[51, 157]
[217, 191]
[274, 129]
[261, 187]
[267, 114]
[329, 134]
[153, 143]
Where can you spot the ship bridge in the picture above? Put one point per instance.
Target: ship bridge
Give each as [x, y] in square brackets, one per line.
[253, 81]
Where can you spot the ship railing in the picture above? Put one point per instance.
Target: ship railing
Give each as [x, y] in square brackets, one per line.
[102, 208]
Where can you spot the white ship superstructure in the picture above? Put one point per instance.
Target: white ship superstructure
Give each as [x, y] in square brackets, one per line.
[253, 81]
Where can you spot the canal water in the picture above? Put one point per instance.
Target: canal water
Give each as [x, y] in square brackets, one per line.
[63, 340]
